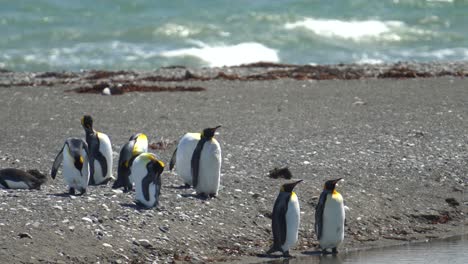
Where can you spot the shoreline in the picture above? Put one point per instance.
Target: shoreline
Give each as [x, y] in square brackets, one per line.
[400, 143]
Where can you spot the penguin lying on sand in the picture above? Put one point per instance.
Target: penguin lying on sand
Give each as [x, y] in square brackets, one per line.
[100, 153]
[198, 161]
[330, 218]
[146, 174]
[285, 219]
[74, 155]
[18, 179]
[137, 144]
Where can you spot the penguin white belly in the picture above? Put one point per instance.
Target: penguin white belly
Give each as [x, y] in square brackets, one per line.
[73, 177]
[293, 217]
[333, 223]
[15, 185]
[210, 168]
[105, 148]
[98, 177]
[184, 154]
[137, 172]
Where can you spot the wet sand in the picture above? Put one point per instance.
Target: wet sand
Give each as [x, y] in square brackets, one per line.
[400, 144]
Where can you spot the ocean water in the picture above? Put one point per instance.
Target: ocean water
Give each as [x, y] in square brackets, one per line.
[44, 35]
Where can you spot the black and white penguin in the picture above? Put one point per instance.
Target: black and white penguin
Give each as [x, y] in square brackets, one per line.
[74, 154]
[100, 153]
[146, 172]
[330, 218]
[198, 161]
[18, 179]
[137, 144]
[286, 218]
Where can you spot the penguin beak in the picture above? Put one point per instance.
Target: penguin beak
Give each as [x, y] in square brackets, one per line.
[214, 130]
[294, 184]
[337, 180]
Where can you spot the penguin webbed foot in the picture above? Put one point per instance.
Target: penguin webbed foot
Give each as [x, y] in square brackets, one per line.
[71, 191]
[326, 252]
[186, 186]
[82, 191]
[287, 255]
[334, 251]
[140, 204]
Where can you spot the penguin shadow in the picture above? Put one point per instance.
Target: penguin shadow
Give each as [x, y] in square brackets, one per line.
[181, 187]
[274, 259]
[313, 253]
[65, 194]
[137, 207]
[197, 196]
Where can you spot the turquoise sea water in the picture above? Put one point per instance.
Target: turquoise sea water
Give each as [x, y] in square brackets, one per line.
[43, 35]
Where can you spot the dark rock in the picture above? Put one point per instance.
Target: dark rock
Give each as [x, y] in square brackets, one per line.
[280, 173]
[452, 202]
[24, 235]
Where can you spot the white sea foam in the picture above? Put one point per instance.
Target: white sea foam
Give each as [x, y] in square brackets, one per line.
[217, 56]
[171, 29]
[354, 30]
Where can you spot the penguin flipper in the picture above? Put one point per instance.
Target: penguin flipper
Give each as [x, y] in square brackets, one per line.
[278, 223]
[103, 162]
[195, 161]
[319, 214]
[173, 160]
[145, 184]
[57, 162]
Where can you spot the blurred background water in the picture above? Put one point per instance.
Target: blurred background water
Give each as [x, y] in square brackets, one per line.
[45, 35]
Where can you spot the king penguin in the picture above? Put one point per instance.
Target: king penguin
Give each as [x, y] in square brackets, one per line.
[198, 161]
[100, 153]
[146, 173]
[74, 154]
[18, 179]
[285, 218]
[137, 144]
[330, 218]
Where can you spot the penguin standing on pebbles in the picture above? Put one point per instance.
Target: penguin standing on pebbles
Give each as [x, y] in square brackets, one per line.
[17, 179]
[330, 218]
[100, 153]
[137, 144]
[285, 219]
[74, 154]
[146, 173]
[198, 161]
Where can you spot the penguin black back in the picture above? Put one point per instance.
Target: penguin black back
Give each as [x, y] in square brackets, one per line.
[207, 134]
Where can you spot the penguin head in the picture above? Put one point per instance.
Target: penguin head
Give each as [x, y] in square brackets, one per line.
[140, 144]
[330, 185]
[153, 163]
[209, 132]
[87, 122]
[288, 187]
[157, 165]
